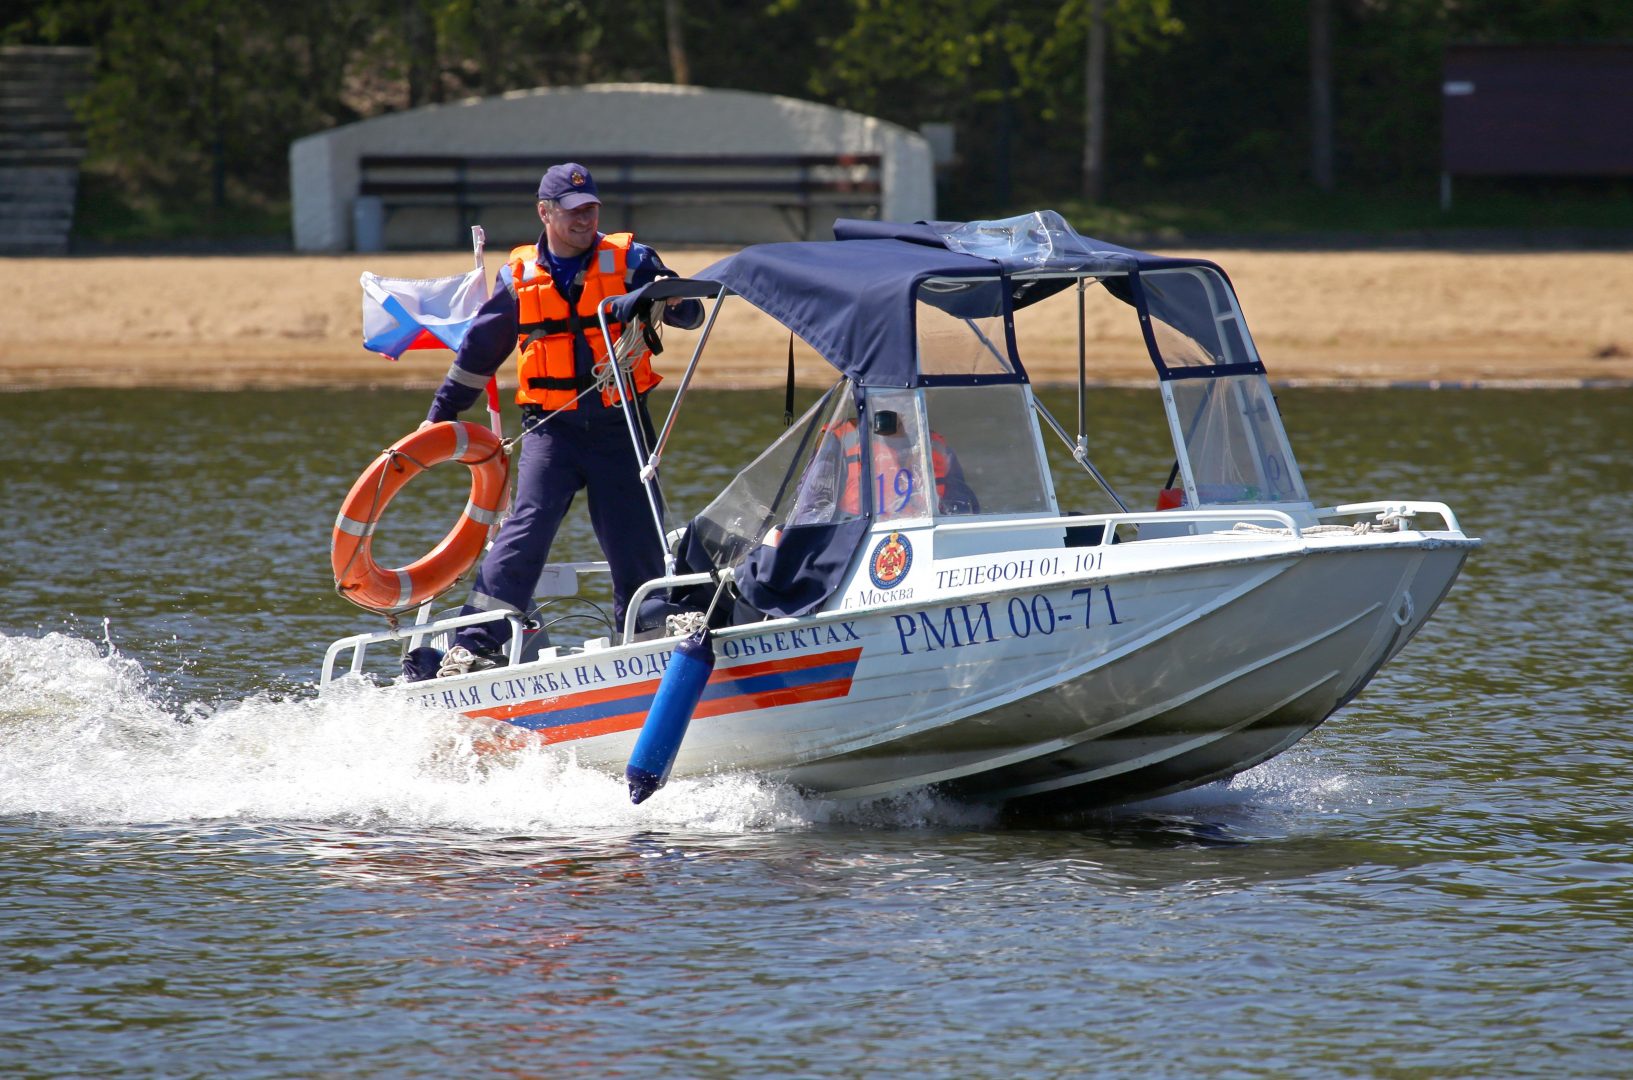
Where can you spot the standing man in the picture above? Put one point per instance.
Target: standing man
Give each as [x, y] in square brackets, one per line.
[545, 306]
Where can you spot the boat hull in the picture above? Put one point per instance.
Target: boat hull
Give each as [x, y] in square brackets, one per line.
[1235, 672]
[1079, 691]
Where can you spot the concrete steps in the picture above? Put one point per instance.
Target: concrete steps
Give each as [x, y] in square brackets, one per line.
[41, 145]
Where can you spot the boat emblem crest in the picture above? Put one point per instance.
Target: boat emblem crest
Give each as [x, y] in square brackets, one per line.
[577, 179]
[891, 559]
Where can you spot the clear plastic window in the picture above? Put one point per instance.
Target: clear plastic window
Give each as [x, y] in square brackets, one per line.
[1234, 441]
[784, 482]
[961, 328]
[899, 482]
[984, 451]
[1194, 319]
[829, 488]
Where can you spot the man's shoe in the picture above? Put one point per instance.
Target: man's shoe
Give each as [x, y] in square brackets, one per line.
[462, 661]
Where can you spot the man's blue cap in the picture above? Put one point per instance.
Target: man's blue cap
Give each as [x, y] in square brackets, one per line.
[569, 186]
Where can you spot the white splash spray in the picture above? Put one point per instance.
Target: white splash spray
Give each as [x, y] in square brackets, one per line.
[85, 735]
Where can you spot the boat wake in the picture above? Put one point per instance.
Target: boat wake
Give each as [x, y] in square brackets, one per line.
[87, 735]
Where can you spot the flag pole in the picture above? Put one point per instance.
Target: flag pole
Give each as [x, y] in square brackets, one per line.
[479, 245]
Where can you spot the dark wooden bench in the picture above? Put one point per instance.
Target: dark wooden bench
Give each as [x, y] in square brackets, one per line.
[794, 184]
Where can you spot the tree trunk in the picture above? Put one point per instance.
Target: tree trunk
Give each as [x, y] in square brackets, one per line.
[1321, 94]
[1094, 105]
[420, 39]
[218, 124]
[677, 44]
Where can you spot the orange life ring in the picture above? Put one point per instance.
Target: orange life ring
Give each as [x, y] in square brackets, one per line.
[369, 585]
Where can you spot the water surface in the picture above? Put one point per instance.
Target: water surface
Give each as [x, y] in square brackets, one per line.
[204, 870]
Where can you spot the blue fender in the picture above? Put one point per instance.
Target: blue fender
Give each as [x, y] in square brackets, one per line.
[666, 722]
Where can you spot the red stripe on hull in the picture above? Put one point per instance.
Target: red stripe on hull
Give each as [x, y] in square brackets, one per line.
[610, 725]
[650, 686]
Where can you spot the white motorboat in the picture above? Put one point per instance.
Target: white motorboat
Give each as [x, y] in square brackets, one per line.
[900, 600]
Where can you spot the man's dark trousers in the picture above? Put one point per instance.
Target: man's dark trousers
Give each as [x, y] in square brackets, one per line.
[579, 448]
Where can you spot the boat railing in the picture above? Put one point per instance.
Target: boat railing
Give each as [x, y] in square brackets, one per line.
[1401, 511]
[1109, 522]
[359, 643]
[1396, 512]
[566, 573]
[671, 581]
[563, 576]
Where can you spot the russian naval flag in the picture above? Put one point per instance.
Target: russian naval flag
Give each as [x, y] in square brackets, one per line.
[419, 313]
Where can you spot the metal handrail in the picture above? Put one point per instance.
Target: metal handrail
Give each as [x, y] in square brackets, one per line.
[1405, 509]
[1282, 518]
[685, 382]
[673, 581]
[628, 405]
[359, 643]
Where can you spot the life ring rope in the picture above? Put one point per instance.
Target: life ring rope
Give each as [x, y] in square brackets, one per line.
[388, 591]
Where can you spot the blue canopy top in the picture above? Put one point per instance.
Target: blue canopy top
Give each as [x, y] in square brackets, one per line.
[852, 299]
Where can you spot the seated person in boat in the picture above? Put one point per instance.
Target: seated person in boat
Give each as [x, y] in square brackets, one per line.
[832, 484]
[574, 432]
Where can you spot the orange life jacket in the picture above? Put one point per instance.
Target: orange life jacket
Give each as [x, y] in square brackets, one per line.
[547, 326]
[885, 464]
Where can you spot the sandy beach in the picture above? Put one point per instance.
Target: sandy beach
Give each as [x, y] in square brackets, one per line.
[230, 322]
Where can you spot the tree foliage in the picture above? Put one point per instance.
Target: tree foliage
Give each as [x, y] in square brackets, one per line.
[199, 99]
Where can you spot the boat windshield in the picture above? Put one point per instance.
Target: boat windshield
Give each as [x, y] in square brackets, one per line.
[1232, 438]
[1194, 319]
[781, 486]
[946, 451]
[986, 454]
